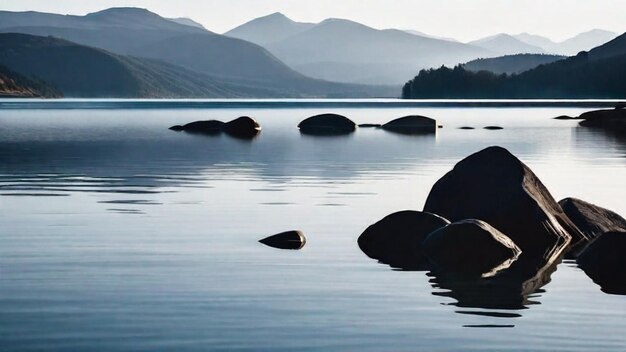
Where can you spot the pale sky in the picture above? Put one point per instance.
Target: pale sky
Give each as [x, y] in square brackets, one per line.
[461, 19]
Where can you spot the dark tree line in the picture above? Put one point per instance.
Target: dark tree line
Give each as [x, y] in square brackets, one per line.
[574, 78]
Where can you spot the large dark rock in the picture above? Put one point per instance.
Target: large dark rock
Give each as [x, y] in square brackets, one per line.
[243, 127]
[470, 247]
[605, 263]
[591, 219]
[203, 127]
[396, 239]
[286, 240]
[413, 124]
[610, 119]
[327, 124]
[496, 187]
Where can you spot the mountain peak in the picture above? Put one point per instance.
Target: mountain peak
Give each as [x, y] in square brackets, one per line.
[116, 11]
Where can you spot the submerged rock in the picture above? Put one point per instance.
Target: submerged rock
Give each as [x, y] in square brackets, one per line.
[327, 124]
[496, 187]
[470, 247]
[413, 124]
[612, 119]
[204, 127]
[286, 240]
[466, 128]
[591, 219]
[493, 128]
[243, 127]
[370, 125]
[604, 262]
[396, 239]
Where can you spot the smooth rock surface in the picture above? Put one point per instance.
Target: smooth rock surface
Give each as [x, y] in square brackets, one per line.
[243, 127]
[396, 239]
[413, 124]
[496, 187]
[472, 247]
[591, 219]
[605, 263]
[204, 127]
[327, 124]
[286, 240]
[613, 120]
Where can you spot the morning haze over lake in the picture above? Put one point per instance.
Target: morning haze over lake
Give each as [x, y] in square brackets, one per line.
[312, 176]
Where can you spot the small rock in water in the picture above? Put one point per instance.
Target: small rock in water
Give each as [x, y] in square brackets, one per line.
[565, 117]
[413, 124]
[327, 124]
[494, 128]
[370, 125]
[243, 127]
[204, 127]
[286, 240]
[466, 128]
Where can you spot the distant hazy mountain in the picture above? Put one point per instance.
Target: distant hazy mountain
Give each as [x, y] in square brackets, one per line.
[597, 74]
[422, 34]
[511, 63]
[536, 40]
[504, 44]
[187, 22]
[582, 42]
[268, 29]
[15, 85]
[81, 71]
[351, 52]
[585, 41]
[141, 33]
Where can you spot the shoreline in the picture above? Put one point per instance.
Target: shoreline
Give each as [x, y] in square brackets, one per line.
[96, 103]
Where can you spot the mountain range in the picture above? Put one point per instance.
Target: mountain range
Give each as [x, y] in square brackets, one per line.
[348, 51]
[597, 74]
[133, 32]
[271, 56]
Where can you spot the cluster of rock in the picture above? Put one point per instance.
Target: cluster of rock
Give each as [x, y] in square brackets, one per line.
[242, 127]
[491, 217]
[334, 124]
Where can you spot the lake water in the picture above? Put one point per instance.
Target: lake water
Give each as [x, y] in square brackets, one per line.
[117, 234]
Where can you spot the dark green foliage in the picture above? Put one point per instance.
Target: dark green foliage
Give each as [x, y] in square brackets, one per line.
[575, 77]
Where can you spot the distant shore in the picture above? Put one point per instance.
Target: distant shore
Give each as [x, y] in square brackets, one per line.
[23, 103]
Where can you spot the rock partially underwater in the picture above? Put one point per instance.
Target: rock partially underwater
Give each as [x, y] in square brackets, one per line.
[413, 124]
[327, 125]
[471, 247]
[241, 127]
[293, 240]
[397, 239]
[496, 187]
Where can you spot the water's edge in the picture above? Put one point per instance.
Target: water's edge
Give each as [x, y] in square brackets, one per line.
[288, 103]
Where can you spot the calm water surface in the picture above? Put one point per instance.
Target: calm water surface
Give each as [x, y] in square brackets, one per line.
[117, 234]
